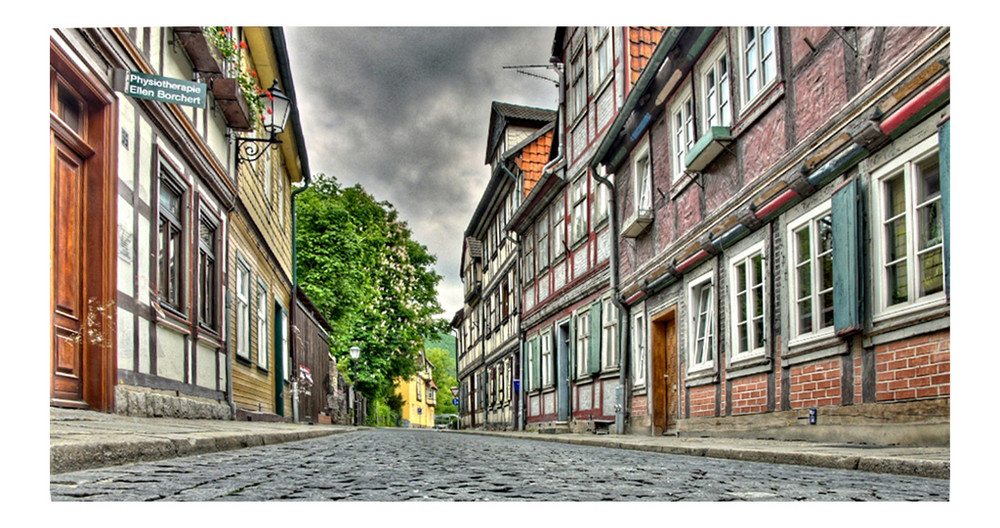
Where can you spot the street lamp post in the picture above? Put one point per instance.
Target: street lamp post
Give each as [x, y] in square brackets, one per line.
[355, 354]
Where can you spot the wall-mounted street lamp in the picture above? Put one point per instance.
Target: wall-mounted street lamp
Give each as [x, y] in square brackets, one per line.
[277, 107]
[355, 354]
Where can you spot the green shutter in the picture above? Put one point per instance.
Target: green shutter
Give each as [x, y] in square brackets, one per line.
[595, 337]
[847, 266]
[536, 371]
[944, 159]
[571, 347]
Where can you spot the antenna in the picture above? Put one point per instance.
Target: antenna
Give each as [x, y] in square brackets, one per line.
[520, 70]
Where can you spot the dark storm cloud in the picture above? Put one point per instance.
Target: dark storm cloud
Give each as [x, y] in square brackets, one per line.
[405, 111]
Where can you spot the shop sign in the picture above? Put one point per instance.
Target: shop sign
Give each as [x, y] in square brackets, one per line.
[162, 89]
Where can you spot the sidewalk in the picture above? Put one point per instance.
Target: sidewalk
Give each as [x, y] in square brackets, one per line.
[933, 462]
[87, 439]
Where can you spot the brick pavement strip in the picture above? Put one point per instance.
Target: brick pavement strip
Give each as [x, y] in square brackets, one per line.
[424, 465]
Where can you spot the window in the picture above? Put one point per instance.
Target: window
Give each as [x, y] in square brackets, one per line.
[528, 271]
[579, 209]
[714, 85]
[418, 384]
[639, 346]
[810, 259]
[642, 174]
[681, 130]
[501, 385]
[576, 100]
[242, 310]
[505, 297]
[701, 318]
[207, 273]
[532, 365]
[170, 254]
[910, 229]
[609, 341]
[262, 359]
[759, 60]
[603, 54]
[543, 242]
[602, 199]
[286, 358]
[559, 228]
[747, 298]
[546, 355]
[582, 342]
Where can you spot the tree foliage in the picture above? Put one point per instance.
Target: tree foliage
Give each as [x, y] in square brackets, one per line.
[360, 266]
[443, 360]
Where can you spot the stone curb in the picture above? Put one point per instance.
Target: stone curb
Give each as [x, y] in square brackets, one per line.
[875, 464]
[78, 456]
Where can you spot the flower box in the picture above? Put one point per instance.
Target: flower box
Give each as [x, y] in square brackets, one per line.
[230, 99]
[707, 148]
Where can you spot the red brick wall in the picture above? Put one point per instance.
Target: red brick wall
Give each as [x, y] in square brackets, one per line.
[640, 406]
[763, 143]
[819, 91]
[918, 367]
[749, 395]
[702, 401]
[799, 47]
[815, 384]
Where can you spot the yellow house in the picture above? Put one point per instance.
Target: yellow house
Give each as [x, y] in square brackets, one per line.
[419, 396]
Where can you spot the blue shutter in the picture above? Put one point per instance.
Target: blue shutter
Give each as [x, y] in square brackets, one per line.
[595, 337]
[571, 347]
[944, 159]
[847, 265]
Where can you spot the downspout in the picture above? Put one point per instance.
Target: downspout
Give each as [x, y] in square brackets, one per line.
[561, 145]
[623, 366]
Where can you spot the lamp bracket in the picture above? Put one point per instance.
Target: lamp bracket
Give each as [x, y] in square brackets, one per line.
[251, 149]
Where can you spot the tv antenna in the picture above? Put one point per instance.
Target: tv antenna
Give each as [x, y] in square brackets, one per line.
[521, 69]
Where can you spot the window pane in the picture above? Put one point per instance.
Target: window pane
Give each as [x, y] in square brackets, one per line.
[803, 253]
[824, 227]
[805, 316]
[70, 109]
[895, 236]
[826, 308]
[169, 200]
[896, 278]
[931, 272]
[805, 281]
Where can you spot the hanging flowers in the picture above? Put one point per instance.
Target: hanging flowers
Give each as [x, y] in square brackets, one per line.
[232, 54]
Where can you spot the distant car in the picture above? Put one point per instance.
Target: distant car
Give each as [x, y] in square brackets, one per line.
[440, 426]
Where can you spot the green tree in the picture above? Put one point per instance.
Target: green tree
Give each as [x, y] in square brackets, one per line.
[443, 360]
[376, 286]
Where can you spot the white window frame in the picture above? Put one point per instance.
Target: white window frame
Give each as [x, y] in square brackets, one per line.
[609, 333]
[545, 357]
[715, 98]
[582, 341]
[262, 341]
[579, 197]
[752, 58]
[558, 239]
[905, 165]
[530, 370]
[640, 336]
[695, 312]
[542, 234]
[604, 57]
[682, 132]
[576, 96]
[754, 335]
[242, 310]
[810, 220]
[602, 198]
[642, 179]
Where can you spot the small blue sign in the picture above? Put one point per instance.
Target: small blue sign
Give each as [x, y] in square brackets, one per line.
[517, 385]
[454, 401]
[420, 410]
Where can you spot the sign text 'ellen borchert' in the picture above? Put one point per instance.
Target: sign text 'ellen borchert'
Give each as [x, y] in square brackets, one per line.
[163, 89]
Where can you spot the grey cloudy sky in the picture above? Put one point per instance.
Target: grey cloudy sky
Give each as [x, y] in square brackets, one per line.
[405, 111]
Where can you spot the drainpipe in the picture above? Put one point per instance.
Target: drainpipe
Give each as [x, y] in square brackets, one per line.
[561, 146]
[621, 405]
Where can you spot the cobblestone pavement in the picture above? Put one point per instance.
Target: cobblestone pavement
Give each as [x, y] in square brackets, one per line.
[406, 464]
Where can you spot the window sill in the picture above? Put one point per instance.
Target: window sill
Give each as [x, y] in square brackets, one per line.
[260, 368]
[751, 110]
[703, 376]
[928, 317]
[243, 360]
[705, 150]
[637, 224]
[748, 365]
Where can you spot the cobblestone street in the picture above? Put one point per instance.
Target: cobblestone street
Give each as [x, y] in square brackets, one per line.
[405, 464]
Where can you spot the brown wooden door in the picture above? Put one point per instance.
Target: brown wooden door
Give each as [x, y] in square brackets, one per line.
[83, 191]
[68, 286]
[664, 372]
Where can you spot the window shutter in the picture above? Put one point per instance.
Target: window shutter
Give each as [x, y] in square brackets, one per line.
[944, 160]
[595, 337]
[536, 371]
[571, 346]
[279, 364]
[847, 266]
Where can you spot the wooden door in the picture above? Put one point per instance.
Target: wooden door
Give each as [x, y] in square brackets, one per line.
[664, 372]
[68, 287]
[82, 244]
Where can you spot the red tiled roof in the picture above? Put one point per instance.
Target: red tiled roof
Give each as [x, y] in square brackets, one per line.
[532, 160]
[642, 42]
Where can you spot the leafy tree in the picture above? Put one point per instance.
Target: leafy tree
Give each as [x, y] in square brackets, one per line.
[376, 286]
[444, 376]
